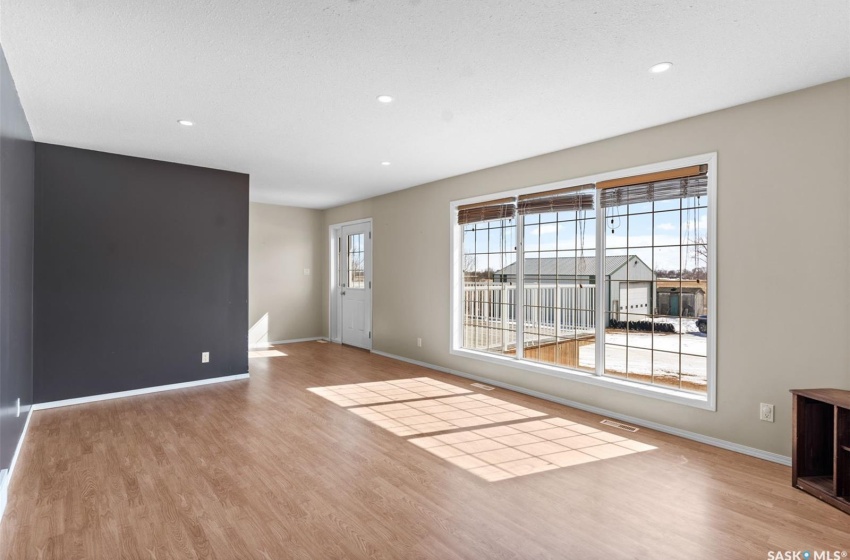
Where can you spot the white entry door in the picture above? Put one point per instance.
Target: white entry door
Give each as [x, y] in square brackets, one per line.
[355, 287]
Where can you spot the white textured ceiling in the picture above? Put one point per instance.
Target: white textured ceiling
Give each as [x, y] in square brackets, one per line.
[285, 90]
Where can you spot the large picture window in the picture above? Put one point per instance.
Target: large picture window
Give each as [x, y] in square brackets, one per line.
[608, 280]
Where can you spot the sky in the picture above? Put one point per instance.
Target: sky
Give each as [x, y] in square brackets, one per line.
[654, 237]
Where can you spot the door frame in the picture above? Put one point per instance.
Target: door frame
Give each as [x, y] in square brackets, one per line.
[334, 298]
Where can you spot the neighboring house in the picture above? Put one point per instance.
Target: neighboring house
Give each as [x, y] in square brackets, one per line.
[629, 281]
[681, 297]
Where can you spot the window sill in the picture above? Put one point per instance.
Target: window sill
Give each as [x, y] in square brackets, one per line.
[661, 393]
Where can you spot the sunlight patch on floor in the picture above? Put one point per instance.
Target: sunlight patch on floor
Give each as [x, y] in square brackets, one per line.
[265, 353]
[437, 415]
[524, 446]
[508, 451]
[387, 391]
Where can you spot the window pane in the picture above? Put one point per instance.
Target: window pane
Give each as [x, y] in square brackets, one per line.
[560, 290]
[616, 230]
[639, 208]
[639, 364]
[639, 338]
[615, 354]
[653, 273]
[694, 373]
[640, 230]
[667, 228]
[665, 369]
[549, 217]
[667, 263]
[531, 237]
[482, 235]
[489, 288]
[656, 274]
[669, 204]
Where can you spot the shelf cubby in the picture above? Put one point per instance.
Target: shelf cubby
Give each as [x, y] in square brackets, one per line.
[821, 445]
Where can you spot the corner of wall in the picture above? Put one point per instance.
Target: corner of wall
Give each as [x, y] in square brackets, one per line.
[17, 188]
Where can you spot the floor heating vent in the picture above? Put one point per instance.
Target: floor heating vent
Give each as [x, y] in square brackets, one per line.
[619, 425]
[482, 386]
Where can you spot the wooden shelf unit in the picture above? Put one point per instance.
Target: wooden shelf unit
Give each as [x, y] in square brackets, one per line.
[821, 445]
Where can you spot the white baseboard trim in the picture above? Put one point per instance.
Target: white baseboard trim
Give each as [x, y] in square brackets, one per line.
[723, 444]
[134, 392]
[290, 341]
[7, 480]
[20, 443]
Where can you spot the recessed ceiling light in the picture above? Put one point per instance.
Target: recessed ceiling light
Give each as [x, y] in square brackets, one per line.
[385, 98]
[661, 67]
[385, 163]
[184, 122]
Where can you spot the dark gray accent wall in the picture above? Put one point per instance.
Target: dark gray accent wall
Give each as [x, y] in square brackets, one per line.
[140, 266]
[16, 264]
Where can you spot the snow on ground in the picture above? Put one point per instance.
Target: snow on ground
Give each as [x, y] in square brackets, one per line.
[683, 325]
[649, 354]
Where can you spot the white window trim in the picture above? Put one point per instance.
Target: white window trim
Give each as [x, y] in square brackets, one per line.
[707, 401]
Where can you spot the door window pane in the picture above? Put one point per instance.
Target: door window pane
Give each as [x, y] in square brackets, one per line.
[356, 261]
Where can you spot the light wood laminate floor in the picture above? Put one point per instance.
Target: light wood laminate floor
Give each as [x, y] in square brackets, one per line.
[266, 468]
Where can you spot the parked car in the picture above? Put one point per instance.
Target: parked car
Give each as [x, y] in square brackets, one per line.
[702, 323]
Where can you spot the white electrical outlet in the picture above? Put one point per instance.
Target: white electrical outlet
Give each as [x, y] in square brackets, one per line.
[419, 342]
[205, 357]
[766, 412]
[19, 408]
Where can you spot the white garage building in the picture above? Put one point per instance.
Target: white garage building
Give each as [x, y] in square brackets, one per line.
[629, 281]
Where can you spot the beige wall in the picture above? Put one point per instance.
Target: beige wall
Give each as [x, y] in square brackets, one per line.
[782, 258]
[283, 302]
